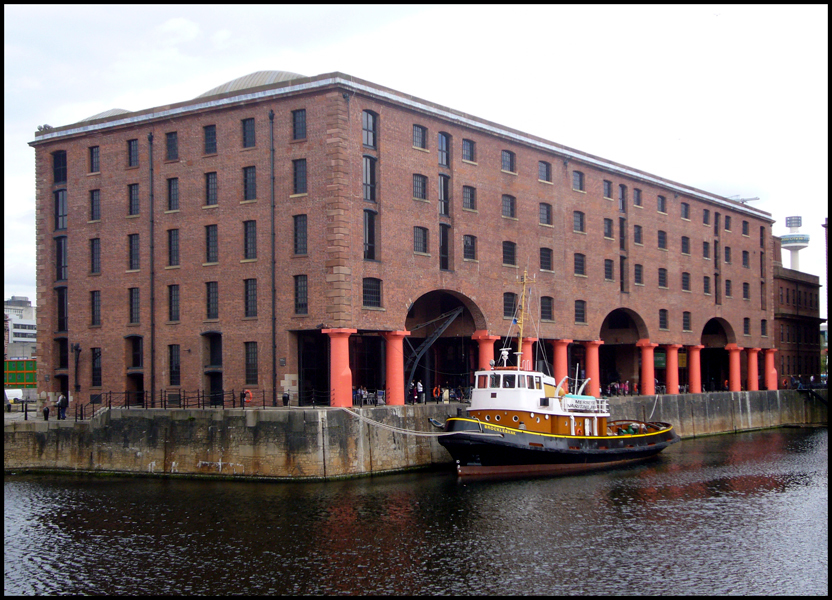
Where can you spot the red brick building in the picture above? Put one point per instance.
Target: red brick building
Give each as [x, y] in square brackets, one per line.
[796, 322]
[309, 234]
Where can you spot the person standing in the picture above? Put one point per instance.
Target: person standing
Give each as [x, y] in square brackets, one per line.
[62, 405]
[420, 391]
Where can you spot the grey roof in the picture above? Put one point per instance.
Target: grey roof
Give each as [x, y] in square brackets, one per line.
[251, 80]
[107, 113]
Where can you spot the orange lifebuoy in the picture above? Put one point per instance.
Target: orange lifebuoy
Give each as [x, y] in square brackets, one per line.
[579, 431]
[248, 395]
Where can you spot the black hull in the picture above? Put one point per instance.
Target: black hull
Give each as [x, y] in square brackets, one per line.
[479, 448]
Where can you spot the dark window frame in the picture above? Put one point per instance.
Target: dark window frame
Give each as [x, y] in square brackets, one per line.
[249, 240]
[250, 297]
[211, 189]
[249, 183]
[212, 300]
[249, 133]
[369, 129]
[133, 252]
[301, 295]
[132, 153]
[172, 145]
[299, 124]
[299, 234]
[95, 159]
[95, 205]
[212, 248]
[133, 200]
[209, 139]
[299, 176]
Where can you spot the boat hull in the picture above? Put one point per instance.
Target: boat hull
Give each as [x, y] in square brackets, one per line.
[484, 449]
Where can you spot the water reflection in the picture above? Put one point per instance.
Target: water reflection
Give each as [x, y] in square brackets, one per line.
[736, 514]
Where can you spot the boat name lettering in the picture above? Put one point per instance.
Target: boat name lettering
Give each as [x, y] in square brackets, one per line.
[500, 429]
[580, 403]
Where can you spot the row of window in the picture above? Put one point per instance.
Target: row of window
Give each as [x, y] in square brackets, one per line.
[371, 290]
[799, 334]
[371, 298]
[578, 184]
[174, 362]
[798, 365]
[249, 189]
[798, 298]
[248, 140]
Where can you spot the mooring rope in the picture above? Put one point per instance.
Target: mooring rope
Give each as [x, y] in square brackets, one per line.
[410, 431]
[654, 407]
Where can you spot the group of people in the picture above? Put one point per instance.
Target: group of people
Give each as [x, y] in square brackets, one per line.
[439, 393]
[617, 388]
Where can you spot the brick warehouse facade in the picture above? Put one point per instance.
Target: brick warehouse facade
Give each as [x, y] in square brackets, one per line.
[306, 234]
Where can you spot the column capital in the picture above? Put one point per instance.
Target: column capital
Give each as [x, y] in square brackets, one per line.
[673, 346]
[387, 334]
[482, 334]
[769, 350]
[755, 350]
[695, 347]
[732, 347]
[593, 343]
[339, 332]
[645, 343]
[562, 342]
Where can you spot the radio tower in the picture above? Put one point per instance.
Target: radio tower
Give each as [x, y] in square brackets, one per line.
[794, 242]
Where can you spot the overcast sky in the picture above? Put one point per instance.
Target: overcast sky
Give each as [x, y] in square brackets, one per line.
[732, 100]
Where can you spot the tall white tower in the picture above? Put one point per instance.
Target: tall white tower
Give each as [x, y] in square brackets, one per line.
[794, 242]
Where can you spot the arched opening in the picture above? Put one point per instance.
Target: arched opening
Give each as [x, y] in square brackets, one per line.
[439, 350]
[618, 357]
[716, 334]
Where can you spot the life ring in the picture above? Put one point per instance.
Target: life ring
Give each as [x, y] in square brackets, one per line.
[248, 395]
[579, 431]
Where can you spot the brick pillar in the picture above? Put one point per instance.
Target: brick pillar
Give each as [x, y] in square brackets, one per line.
[340, 376]
[672, 368]
[561, 360]
[486, 343]
[394, 367]
[528, 355]
[751, 354]
[770, 374]
[694, 369]
[734, 371]
[648, 374]
[592, 369]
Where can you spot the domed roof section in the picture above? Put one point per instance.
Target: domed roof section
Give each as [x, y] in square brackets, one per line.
[252, 80]
[107, 113]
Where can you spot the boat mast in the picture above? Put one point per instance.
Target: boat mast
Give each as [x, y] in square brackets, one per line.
[520, 319]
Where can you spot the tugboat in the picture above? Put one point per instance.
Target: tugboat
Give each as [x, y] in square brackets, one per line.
[523, 422]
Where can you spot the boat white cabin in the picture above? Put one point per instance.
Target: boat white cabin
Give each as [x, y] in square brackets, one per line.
[533, 401]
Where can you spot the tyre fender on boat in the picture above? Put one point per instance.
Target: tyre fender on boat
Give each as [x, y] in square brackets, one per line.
[579, 430]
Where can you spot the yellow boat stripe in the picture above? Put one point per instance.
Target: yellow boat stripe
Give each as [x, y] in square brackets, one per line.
[554, 435]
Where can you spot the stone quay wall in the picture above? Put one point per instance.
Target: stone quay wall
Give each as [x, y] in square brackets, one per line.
[328, 443]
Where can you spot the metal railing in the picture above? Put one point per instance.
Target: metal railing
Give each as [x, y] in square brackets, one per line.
[196, 399]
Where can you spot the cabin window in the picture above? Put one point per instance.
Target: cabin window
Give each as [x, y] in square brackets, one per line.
[508, 381]
[482, 381]
[521, 381]
[537, 383]
[531, 381]
[494, 382]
